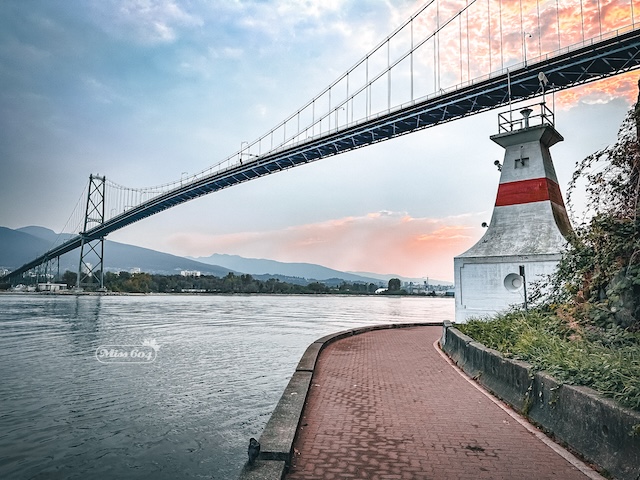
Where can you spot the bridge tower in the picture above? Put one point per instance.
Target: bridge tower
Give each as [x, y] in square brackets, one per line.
[91, 265]
[529, 225]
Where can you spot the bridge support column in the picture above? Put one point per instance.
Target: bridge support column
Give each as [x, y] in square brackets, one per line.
[91, 266]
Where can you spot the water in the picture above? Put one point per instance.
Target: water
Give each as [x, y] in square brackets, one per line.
[222, 365]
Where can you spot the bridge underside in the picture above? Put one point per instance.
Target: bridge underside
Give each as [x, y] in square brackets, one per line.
[606, 58]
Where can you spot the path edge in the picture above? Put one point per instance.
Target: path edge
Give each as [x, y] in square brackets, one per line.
[597, 428]
[278, 436]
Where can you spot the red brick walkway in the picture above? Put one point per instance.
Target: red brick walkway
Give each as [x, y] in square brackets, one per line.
[387, 405]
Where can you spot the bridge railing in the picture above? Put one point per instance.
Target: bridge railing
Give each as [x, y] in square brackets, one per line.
[333, 109]
[314, 131]
[610, 58]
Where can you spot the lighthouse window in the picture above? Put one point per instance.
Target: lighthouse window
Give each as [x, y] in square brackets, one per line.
[521, 162]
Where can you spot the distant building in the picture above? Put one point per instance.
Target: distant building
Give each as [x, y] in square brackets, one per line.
[528, 226]
[135, 270]
[190, 273]
[51, 287]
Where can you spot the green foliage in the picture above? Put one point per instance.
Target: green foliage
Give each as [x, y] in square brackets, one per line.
[126, 282]
[69, 278]
[599, 275]
[586, 330]
[394, 285]
[606, 360]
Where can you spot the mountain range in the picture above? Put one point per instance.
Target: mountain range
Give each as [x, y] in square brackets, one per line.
[259, 266]
[21, 245]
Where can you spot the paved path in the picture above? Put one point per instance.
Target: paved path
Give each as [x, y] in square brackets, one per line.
[388, 405]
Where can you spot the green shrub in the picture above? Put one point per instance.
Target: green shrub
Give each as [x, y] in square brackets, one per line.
[606, 360]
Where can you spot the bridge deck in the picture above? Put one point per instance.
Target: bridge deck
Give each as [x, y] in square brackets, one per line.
[617, 54]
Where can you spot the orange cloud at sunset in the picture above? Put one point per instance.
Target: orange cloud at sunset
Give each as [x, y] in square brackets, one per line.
[621, 86]
[380, 242]
[487, 38]
[492, 35]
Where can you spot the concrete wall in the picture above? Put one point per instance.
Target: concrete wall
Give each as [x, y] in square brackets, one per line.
[599, 429]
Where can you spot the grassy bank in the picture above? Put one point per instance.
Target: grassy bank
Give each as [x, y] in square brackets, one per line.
[606, 360]
[587, 331]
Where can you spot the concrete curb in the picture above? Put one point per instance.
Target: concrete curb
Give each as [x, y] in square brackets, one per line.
[596, 427]
[276, 441]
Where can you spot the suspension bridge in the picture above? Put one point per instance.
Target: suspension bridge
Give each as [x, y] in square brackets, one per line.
[449, 60]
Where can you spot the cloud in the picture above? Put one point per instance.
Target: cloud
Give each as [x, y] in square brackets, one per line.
[177, 85]
[301, 9]
[383, 242]
[623, 86]
[100, 92]
[491, 36]
[145, 21]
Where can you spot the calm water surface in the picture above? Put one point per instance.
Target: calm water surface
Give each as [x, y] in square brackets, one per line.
[222, 365]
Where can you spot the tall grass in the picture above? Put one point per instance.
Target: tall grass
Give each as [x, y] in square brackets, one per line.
[606, 360]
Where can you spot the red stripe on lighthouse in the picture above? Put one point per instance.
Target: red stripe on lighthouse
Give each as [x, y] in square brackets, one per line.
[527, 191]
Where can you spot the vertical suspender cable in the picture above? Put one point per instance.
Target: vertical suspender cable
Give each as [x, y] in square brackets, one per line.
[582, 20]
[489, 32]
[509, 91]
[467, 34]
[435, 87]
[389, 75]
[460, 42]
[411, 60]
[539, 34]
[437, 45]
[329, 112]
[501, 39]
[522, 33]
[368, 97]
[558, 22]
[346, 117]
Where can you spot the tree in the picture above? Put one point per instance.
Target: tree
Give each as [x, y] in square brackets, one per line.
[317, 287]
[70, 278]
[599, 275]
[394, 285]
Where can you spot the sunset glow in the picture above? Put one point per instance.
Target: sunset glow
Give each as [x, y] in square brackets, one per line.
[148, 92]
[375, 242]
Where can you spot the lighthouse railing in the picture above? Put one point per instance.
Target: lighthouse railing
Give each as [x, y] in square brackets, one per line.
[532, 116]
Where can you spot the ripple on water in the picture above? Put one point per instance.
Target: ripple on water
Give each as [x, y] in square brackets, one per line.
[221, 368]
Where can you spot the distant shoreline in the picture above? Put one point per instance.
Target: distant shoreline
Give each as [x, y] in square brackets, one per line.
[66, 293]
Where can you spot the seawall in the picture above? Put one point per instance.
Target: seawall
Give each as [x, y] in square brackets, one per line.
[276, 441]
[595, 427]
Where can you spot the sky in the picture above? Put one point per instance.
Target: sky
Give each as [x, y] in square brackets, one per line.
[148, 91]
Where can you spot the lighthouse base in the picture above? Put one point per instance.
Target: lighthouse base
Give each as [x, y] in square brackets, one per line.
[486, 286]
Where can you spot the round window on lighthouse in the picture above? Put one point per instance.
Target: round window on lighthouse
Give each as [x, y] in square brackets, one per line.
[513, 282]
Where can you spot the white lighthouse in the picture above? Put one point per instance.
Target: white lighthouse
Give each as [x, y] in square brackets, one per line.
[529, 224]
